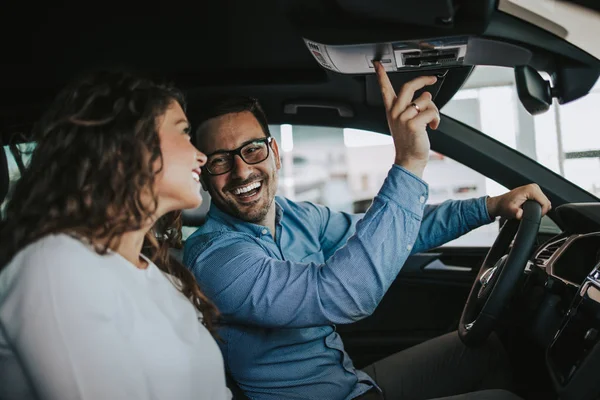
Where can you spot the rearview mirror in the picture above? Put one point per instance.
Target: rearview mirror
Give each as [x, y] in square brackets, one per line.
[534, 91]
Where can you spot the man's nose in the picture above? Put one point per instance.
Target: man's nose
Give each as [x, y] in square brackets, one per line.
[240, 168]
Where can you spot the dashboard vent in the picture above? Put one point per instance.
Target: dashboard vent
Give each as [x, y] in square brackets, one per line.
[313, 46]
[542, 257]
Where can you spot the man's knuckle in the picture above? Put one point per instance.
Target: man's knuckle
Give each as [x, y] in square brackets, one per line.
[404, 117]
[412, 125]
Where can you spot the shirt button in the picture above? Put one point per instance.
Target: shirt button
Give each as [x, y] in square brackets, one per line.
[422, 199]
[409, 247]
[264, 231]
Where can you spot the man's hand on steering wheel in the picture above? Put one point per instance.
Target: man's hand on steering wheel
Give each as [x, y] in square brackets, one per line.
[509, 205]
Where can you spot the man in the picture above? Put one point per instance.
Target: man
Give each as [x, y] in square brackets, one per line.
[284, 273]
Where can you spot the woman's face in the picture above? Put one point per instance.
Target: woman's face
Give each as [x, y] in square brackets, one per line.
[177, 185]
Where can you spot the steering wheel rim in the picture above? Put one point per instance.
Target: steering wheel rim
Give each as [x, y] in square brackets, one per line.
[499, 275]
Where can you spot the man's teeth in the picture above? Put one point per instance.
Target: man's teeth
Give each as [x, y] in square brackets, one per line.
[195, 176]
[247, 188]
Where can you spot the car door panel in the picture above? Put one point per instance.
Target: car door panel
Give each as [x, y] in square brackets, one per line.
[424, 301]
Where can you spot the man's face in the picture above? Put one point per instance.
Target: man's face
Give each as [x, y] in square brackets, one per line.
[229, 191]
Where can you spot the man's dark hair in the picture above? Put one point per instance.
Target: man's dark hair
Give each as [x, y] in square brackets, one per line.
[229, 105]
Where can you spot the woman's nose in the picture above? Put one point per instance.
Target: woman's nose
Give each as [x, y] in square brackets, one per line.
[201, 157]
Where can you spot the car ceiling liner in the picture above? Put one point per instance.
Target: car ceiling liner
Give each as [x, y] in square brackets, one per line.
[346, 36]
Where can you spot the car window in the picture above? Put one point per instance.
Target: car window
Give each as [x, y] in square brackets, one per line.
[562, 139]
[344, 169]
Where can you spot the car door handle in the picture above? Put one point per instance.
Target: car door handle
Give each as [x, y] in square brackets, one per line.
[342, 109]
[437, 265]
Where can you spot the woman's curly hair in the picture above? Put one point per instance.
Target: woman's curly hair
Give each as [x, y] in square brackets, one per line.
[93, 170]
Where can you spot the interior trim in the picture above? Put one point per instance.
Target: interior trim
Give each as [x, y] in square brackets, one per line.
[572, 22]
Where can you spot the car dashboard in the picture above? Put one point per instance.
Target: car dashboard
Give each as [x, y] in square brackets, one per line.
[570, 258]
[569, 315]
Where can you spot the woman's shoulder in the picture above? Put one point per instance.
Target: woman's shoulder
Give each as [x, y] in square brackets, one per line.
[55, 248]
[50, 259]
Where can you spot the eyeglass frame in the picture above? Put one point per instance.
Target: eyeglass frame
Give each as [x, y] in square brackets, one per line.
[238, 152]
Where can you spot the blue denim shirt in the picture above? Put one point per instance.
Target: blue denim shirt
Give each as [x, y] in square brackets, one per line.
[281, 298]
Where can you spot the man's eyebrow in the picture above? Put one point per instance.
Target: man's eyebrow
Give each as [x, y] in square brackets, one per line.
[227, 151]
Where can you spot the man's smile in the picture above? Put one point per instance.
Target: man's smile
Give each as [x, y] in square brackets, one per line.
[247, 193]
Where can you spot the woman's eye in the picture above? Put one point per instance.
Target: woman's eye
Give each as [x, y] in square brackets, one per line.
[187, 130]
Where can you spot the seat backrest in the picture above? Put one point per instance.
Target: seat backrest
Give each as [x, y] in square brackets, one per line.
[193, 217]
[197, 216]
[4, 176]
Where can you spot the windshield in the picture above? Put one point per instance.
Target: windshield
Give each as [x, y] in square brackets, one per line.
[565, 139]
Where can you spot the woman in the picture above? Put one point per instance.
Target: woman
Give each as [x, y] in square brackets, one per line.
[91, 305]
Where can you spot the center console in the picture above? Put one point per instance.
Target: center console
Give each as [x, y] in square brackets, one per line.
[573, 357]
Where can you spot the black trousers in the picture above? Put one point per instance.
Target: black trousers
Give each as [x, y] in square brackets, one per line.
[444, 368]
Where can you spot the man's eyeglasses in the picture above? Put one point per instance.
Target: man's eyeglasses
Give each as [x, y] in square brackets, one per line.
[254, 152]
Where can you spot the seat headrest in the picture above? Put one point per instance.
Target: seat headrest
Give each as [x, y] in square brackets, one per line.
[197, 216]
[4, 176]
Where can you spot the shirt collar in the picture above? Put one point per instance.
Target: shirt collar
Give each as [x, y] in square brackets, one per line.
[242, 226]
[278, 211]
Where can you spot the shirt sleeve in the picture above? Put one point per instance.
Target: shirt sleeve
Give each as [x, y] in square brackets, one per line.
[335, 228]
[450, 220]
[58, 318]
[441, 223]
[250, 287]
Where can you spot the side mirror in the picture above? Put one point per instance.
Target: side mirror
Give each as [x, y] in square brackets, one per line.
[534, 91]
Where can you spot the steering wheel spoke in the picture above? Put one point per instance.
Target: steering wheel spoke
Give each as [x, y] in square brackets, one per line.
[499, 275]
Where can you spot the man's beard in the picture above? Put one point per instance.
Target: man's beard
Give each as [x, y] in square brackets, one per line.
[256, 216]
[257, 212]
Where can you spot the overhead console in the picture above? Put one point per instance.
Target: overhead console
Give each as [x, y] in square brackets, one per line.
[411, 55]
[345, 36]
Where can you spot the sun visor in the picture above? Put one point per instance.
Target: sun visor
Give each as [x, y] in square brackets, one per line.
[418, 54]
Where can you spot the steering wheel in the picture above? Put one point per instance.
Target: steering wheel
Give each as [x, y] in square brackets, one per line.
[499, 275]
